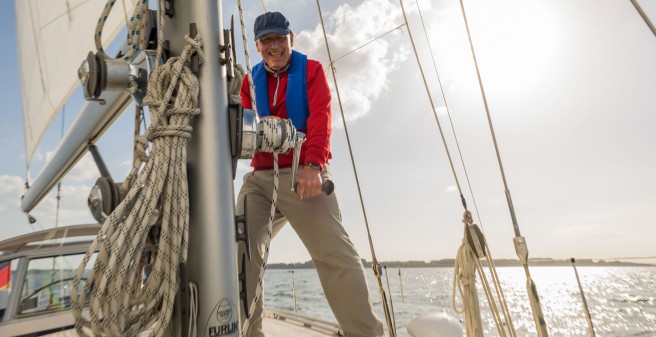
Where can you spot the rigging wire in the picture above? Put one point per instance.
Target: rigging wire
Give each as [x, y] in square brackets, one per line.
[448, 111]
[364, 45]
[519, 241]
[584, 303]
[53, 271]
[251, 86]
[430, 99]
[389, 289]
[374, 261]
[467, 263]
[59, 183]
[644, 16]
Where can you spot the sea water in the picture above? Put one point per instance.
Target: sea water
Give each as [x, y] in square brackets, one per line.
[621, 300]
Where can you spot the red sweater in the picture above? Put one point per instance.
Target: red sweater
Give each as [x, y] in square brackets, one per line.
[316, 148]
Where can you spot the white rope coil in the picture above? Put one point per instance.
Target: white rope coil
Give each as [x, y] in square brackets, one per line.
[464, 281]
[277, 135]
[120, 303]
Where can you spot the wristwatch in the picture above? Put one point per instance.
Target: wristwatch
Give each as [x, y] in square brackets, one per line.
[313, 166]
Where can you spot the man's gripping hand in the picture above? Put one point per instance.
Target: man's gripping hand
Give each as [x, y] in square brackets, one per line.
[308, 183]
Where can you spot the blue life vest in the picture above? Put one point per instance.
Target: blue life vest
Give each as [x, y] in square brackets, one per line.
[296, 102]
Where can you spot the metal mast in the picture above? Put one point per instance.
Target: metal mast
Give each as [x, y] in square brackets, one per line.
[212, 263]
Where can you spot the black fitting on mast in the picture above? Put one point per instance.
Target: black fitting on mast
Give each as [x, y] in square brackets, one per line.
[228, 51]
[169, 8]
[235, 122]
[193, 31]
[243, 297]
[242, 231]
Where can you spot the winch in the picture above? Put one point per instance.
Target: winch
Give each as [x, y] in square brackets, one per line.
[99, 74]
[250, 134]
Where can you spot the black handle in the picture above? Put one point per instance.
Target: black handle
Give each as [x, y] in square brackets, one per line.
[327, 187]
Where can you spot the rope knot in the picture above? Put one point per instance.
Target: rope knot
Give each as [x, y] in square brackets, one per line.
[194, 45]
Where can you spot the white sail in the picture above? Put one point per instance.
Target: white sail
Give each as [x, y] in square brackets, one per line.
[54, 37]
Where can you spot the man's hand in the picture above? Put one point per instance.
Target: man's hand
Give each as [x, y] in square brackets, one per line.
[308, 183]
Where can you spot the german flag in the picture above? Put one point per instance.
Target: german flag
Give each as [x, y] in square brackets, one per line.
[5, 275]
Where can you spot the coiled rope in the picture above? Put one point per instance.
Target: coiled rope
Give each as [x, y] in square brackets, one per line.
[120, 303]
[464, 284]
[464, 281]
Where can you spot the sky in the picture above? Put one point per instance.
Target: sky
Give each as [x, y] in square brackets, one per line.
[570, 88]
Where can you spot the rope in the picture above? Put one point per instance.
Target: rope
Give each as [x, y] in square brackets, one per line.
[644, 16]
[520, 243]
[430, 99]
[278, 136]
[366, 44]
[466, 265]
[120, 303]
[374, 261]
[464, 284]
[448, 112]
[389, 289]
[251, 86]
[467, 262]
[586, 310]
[137, 34]
[193, 312]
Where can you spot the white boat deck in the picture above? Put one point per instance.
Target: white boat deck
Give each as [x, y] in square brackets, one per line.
[278, 323]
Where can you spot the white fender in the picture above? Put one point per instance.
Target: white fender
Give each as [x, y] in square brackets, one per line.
[435, 324]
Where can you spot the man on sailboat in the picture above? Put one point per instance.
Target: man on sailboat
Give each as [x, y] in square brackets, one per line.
[289, 85]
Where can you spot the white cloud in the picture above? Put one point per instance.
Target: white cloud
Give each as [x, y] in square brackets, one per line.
[11, 190]
[72, 209]
[451, 189]
[363, 75]
[85, 169]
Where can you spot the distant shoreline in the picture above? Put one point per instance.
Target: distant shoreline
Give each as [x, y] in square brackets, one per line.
[537, 262]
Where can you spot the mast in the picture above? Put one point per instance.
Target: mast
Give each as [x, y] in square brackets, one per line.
[212, 262]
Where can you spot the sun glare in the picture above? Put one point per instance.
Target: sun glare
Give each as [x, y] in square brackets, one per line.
[516, 48]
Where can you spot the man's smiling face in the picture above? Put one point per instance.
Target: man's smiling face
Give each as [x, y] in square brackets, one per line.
[275, 49]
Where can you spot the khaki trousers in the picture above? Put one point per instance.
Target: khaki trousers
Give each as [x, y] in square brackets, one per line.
[318, 223]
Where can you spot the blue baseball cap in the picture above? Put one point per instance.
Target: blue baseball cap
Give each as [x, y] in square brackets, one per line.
[271, 22]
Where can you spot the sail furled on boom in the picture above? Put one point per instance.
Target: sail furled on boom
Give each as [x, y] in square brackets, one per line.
[54, 37]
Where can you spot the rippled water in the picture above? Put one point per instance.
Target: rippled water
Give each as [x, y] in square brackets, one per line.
[622, 300]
